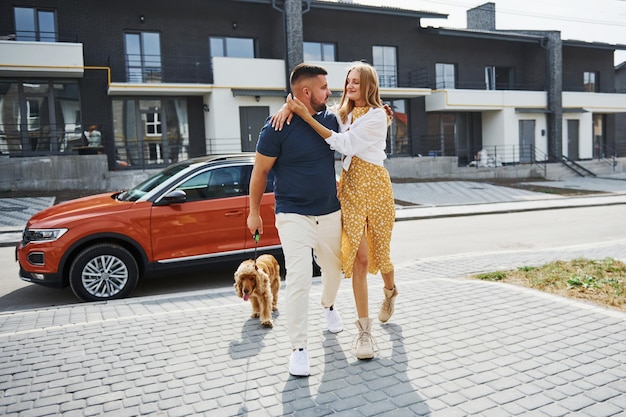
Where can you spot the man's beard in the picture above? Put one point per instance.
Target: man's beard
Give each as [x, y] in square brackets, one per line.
[318, 107]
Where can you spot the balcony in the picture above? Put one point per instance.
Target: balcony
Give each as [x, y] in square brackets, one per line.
[595, 102]
[484, 100]
[41, 59]
[151, 75]
[196, 75]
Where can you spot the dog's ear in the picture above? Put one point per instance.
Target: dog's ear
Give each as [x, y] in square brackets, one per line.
[262, 280]
[237, 286]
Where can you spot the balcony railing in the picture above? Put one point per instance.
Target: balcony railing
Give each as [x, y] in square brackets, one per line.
[42, 140]
[38, 36]
[423, 78]
[484, 156]
[161, 69]
[579, 88]
[417, 82]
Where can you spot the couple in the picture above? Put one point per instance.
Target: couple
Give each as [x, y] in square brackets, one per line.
[309, 215]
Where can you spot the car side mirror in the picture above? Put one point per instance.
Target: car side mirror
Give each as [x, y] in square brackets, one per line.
[173, 197]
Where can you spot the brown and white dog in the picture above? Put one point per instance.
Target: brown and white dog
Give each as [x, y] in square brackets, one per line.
[259, 282]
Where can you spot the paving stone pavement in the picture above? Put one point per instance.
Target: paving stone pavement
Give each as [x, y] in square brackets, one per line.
[454, 347]
[16, 211]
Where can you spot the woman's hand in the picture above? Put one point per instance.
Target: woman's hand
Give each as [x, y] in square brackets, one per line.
[284, 115]
[297, 107]
[389, 112]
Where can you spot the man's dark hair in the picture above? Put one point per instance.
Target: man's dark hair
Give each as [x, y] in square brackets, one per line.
[302, 71]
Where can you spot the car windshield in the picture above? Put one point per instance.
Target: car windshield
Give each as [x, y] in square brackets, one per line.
[140, 190]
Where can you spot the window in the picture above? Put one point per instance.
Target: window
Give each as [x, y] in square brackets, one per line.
[490, 78]
[445, 76]
[39, 117]
[386, 65]
[35, 25]
[590, 82]
[600, 149]
[153, 124]
[232, 47]
[316, 51]
[150, 131]
[498, 78]
[143, 57]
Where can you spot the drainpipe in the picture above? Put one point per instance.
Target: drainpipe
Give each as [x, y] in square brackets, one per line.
[554, 53]
[292, 11]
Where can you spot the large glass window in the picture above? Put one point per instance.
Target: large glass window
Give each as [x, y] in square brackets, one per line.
[150, 131]
[445, 77]
[39, 117]
[316, 51]
[599, 136]
[143, 57]
[386, 65]
[590, 82]
[498, 78]
[232, 47]
[35, 24]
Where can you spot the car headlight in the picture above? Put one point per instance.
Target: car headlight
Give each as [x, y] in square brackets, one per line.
[42, 235]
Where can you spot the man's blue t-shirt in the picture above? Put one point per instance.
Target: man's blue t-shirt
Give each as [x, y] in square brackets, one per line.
[304, 170]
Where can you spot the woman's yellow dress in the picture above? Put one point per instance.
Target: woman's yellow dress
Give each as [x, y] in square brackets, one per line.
[367, 206]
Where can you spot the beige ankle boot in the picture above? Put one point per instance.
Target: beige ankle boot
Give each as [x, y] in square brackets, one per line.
[364, 342]
[386, 308]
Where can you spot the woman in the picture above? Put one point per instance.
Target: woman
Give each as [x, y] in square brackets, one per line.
[93, 135]
[365, 193]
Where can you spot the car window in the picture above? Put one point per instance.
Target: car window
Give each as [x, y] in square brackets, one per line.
[196, 186]
[215, 183]
[149, 184]
[225, 182]
[246, 172]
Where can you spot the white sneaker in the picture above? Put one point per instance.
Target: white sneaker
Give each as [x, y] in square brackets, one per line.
[333, 320]
[299, 363]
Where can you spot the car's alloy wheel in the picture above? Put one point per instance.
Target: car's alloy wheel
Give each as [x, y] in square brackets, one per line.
[103, 272]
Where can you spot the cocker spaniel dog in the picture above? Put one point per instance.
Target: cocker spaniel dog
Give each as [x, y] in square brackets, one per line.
[259, 282]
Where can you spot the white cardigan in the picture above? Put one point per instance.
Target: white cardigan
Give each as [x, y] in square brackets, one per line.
[366, 138]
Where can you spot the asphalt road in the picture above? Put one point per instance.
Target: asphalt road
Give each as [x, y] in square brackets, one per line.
[412, 240]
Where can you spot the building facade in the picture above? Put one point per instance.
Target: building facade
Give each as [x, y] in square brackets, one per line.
[163, 81]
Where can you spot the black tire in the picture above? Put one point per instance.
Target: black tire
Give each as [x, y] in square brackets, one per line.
[103, 272]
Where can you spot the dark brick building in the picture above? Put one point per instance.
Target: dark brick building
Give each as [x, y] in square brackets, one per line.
[167, 80]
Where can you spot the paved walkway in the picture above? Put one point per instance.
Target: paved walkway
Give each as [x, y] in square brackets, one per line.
[454, 347]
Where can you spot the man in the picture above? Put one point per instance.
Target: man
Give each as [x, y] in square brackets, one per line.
[308, 215]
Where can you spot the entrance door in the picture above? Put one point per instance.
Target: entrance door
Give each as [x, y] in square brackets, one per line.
[526, 140]
[598, 136]
[251, 122]
[572, 139]
[448, 135]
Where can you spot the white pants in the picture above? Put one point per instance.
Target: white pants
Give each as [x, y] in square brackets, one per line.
[298, 236]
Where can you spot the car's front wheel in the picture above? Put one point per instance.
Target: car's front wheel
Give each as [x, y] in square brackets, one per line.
[103, 272]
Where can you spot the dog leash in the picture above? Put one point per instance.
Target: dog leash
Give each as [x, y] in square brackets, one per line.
[256, 236]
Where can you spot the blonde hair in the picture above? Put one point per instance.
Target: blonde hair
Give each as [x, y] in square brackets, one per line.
[369, 88]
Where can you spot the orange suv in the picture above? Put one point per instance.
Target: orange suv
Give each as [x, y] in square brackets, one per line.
[189, 215]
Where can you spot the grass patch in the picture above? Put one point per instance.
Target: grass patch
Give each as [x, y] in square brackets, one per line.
[602, 282]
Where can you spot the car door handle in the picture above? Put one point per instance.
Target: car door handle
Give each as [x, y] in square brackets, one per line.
[237, 213]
